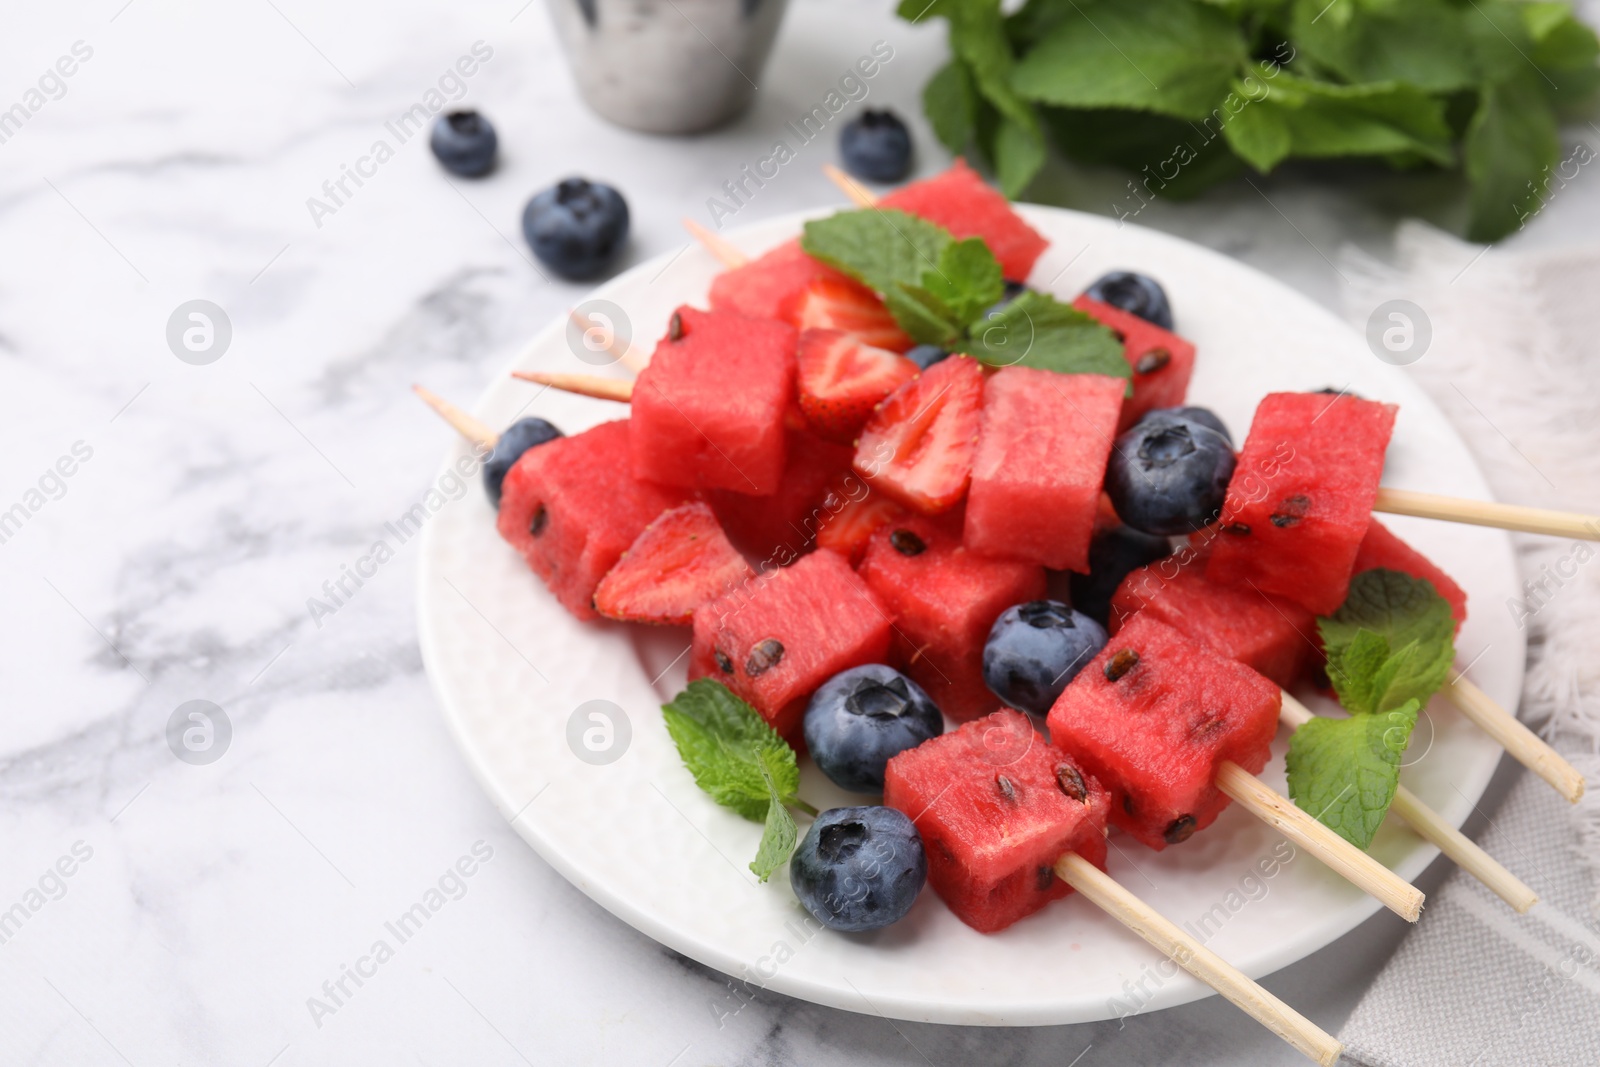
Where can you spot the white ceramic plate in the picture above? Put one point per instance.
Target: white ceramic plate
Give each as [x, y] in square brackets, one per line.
[511, 669]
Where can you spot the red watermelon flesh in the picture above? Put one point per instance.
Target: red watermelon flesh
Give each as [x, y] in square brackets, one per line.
[708, 412]
[775, 639]
[1382, 549]
[1301, 497]
[1162, 361]
[1153, 716]
[572, 508]
[1040, 462]
[848, 530]
[834, 304]
[918, 446]
[779, 528]
[944, 599]
[770, 286]
[967, 206]
[841, 380]
[996, 807]
[1271, 635]
[680, 561]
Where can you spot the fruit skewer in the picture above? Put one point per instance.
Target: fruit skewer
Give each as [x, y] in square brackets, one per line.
[1389, 501]
[1010, 824]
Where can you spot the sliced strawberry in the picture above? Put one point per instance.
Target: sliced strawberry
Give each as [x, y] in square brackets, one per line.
[679, 562]
[918, 445]
[841, 380]
[831, 304]
[848, 530]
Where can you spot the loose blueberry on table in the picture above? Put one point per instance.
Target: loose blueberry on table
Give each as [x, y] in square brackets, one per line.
[860, 718]
[1137, 294]
[464, 143]
[1035, 649]
[1169, 473]
[576, 227]
[876, 146]
[520, 436]
[859, 868]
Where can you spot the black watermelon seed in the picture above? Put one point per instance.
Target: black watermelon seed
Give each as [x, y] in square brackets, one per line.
[1291, 510]
[1127, 805]
[1005, 786]
[724, 664]
[1152, 361]
[1181, 829]
[1124, 661]
[1044, 879]
[907, 543]
[1237, 529]
[764, 657]
[675, 327]
[1071, 782]
[541, 519]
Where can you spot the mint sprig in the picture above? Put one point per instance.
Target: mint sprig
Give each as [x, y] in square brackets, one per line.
[940, 290]
[1390, 646]
[1186, 93]
[741, 762]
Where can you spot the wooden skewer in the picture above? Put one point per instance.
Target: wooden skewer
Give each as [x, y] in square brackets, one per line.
[1489, 513]
[464, 424]
[582, 384]
[1255, 796]
[860, 194]
[629, 357]
[725, 253]
[1527, 747]
[1432, 827]
[1104, 892]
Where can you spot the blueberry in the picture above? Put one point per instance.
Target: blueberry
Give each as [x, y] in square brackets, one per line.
[518, 438]
[464, 142]
[1204, 416]
[1168, 474]
[859, 868]
[926, 356]
[861, 717]
[1035, 649]
[1114, 553]
[876, 146]
[576, 227]
[1137, 294]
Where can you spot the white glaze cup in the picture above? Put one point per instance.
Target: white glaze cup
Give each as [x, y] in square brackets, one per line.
[667, 66]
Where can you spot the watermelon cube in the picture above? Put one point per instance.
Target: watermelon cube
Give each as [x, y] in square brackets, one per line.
[996, 807]
[679, 562]
[1153, 716]
[1271, 635]
[770, 286]
[778, 529]
[1301, 497]
[918, 445]
[1040, 462]
[571, 507]
[708, 412]
[944, 599]
[1382, 549]
[1162, 361]
[775, 639]
[967, 206]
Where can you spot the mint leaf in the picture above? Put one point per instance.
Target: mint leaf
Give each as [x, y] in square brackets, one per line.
[879, 247]
[1172, 57]
[1345, 771]
[1511, 145]
[779, 835]
[1036, 330]
[730, 750]
[951, 103]
[925, 318]
[1423, 43]
[1391, 641]
[1019, 153]
[968, 279]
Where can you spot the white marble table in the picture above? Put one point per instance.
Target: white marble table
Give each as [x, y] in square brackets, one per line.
[207, 904]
